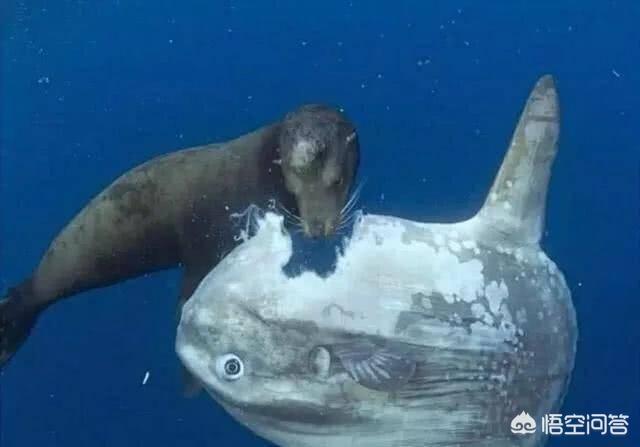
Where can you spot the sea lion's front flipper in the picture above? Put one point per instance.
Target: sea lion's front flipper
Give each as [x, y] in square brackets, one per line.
[516, 203]
[18, 315]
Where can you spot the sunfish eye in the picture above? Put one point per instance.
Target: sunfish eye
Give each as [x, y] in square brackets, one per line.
[229, 367]
[320, 361]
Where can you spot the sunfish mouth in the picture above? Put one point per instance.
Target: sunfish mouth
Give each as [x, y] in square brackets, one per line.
[292, 415]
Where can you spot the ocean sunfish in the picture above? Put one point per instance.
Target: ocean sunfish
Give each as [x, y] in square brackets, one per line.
[424, 335]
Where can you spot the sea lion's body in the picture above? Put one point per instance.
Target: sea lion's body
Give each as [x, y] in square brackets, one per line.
[171, 210]
[176, 210]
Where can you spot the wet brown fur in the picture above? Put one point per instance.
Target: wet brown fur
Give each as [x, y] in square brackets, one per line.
[171, 210]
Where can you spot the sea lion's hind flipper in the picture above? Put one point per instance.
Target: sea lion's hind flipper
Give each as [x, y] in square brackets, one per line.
[17, 318]
[516, 203]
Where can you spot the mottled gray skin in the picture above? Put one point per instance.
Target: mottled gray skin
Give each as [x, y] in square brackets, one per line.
[473, 372]
[425, 334]
[175, 210]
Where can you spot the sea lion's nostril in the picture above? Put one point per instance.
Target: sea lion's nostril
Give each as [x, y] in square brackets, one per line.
[329, 228]
[315, 228]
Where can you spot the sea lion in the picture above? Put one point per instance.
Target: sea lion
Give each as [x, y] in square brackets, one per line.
[426, 334]
[175, 210]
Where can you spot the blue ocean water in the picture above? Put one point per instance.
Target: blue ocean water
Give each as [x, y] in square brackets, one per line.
[89, 89]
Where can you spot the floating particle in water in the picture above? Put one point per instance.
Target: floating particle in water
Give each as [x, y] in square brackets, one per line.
[146, 378]
[44, 80]
[615, 73]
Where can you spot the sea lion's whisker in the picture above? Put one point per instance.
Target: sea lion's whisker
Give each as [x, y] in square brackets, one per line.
[289, 213]
[346, 222]
[348, 219]
[355, 196]
[351, 202]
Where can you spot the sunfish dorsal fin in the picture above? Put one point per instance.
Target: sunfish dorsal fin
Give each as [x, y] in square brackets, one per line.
[516, 203]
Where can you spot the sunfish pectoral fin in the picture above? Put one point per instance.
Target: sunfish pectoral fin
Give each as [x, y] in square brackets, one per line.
[191, 386]
[516, 203]
[377, 368]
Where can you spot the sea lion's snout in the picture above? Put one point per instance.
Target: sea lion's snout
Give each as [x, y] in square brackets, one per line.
[318, 228]
[320, 156]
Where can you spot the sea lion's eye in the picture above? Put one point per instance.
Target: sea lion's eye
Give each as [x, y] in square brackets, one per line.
[229, 367]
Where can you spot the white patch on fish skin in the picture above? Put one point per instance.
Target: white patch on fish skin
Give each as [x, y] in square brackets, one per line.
[504, 250]
[521, 316]
[534, 132]
[454, 246]
[496, 294]
[544, 260]
[477, 310]
[469, 244]
[518, 254]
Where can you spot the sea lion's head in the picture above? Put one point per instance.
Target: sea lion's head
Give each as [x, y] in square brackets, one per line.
[320, 154]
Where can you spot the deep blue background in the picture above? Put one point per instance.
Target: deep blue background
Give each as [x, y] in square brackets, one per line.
[91, 88]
